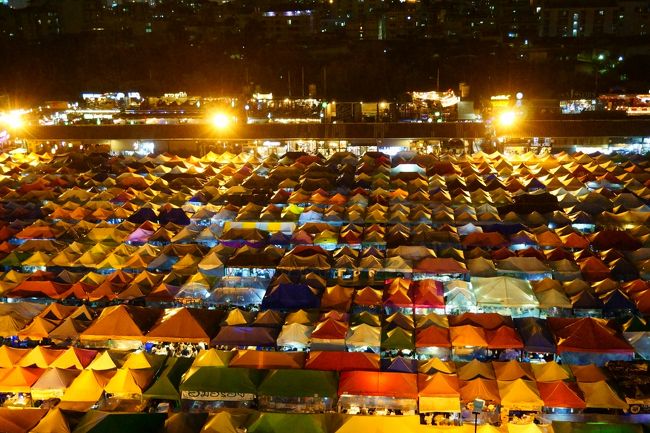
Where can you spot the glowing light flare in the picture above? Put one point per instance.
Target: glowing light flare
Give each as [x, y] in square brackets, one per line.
[13, 119]
[220, 120]
[507, 118]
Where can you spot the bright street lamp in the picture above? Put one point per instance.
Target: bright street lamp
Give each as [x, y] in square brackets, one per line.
[220, 120]
[507, 118]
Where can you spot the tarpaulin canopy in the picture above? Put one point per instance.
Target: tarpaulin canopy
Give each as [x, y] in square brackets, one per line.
[299, 383]
[438, 392]
[369, 383]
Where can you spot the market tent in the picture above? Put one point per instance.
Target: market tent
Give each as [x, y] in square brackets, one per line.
[75, 357]
[230, 421]
[485, 389]
[128, 383]
[362, 336]
[20, 421]
[595, 427]
[520, 394]
[105, 422]
[550, 372]
[475, 368]
[438, 392]
[260, 359]
[342, 361]
[165, 387]
[561, 394]
[299, 383]
[53, 422]
[370, 383]
[295, 335]
[601, 395]
[121, 322]
[587, 335]
[52, 383]
[467, 336]
[85, 390]
[504, 337]
[9, 356]
[19, 379]
[284, 422]
[512, 370]
[503, 292]
[185, 325]
[186, 422]
[40, 356]
[244, 336]
[536, 335]
[213, 383]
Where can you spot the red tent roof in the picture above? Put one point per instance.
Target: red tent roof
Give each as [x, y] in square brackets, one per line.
[342, 361]
[587, 335]
[561, 394]
[433, 336]
[504, 337]
[429, 294]
[371, 383]
[431, 265]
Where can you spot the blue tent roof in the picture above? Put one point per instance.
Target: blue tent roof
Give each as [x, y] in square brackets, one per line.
[290, 296]
[536, 335]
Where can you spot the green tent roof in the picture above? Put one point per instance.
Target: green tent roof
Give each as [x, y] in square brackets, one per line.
[595, 427]
[397, 338]
[219, 379]
[106, 422]
[300, 383]
[283, 422]
[166, 386]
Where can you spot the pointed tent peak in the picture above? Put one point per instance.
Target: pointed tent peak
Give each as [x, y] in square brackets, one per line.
[213, 358]
[53, 422]
[108, 360]
[550, 372]
[10, 356]
[437, 365]
[40, 356]
[139, 360]
[75, 357]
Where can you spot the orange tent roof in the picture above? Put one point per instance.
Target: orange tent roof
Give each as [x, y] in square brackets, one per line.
[432, 336]
[267, 360]
[121, 323]
[438, 384]
[486, 389]
[20, 379]
[467, 335]
[180, 324]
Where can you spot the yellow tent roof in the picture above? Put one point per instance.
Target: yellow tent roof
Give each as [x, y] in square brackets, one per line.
[37, 330]
[127, 382]
[520, 395]
[226, 422]
[213, 358]
[86, 388]
[139, 360]
[600, 395]
[549, 372]
[52, 422]
[19, 379]
[9, 356]
[106, 361]
[40, 356]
